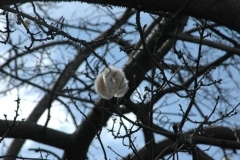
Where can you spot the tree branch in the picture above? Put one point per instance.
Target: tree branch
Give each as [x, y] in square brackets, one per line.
[33, 131]
[225, 13]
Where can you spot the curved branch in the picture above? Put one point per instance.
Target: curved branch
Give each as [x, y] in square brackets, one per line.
[161, 146]
[218, 136]
[194, 39]
[33, 131]
[190, 80]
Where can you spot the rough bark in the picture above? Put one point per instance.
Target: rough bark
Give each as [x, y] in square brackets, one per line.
[224, 12]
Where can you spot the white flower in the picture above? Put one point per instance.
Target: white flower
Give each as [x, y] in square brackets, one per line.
[104, 84]
[111, 82]
[121, 83]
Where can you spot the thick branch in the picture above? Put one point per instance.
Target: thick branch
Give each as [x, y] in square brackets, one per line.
[223, 12]
[28, 130]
